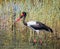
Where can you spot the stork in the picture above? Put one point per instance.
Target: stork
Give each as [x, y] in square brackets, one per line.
[36, 26]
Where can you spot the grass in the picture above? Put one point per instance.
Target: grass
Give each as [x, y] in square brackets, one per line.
[45, 11]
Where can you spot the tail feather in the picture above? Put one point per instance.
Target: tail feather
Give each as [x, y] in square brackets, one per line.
[48, 29]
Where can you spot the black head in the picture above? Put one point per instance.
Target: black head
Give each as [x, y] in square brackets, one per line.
[23, 14]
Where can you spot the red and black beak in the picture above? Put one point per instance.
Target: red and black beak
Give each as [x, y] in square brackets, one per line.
[19, 18]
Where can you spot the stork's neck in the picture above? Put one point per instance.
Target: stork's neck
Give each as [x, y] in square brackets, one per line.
[24, 22]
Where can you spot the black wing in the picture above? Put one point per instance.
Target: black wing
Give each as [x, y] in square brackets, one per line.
[41, 26]
[37, 26]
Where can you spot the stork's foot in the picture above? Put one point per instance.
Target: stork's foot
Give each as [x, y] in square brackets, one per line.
[40, 42]
[34, 42]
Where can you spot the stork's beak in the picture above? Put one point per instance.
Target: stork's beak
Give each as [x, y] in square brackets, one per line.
[21, 16]
[18, 18]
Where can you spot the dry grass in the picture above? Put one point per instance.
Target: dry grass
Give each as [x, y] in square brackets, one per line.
[45, 11]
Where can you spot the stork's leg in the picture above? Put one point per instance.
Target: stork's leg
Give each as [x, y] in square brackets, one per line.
[30, 35]
[37, 31]
[33, 34]
[39, 38]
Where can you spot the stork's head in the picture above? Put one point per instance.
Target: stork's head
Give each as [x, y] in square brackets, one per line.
[23, 14]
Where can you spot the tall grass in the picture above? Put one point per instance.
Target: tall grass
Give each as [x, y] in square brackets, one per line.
[45, 11]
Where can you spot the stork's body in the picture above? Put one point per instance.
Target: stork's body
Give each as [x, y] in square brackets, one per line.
[36, 26]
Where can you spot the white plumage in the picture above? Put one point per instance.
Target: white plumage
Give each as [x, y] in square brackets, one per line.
[31, 23]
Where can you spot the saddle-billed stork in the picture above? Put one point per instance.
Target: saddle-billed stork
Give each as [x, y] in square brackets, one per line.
[36, 26]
